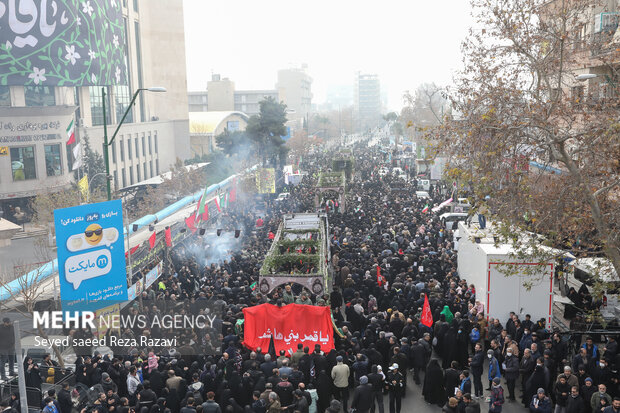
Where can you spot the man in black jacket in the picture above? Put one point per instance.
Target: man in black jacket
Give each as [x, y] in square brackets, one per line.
[477, 365]
[418, 358]
[471, 406]
[511, 372]
[64, 399]
[363, 397]
[376, 380]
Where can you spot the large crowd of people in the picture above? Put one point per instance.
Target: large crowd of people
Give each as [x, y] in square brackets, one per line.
[387, 258]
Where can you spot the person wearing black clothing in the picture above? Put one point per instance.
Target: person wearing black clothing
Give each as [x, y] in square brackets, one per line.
[511, 372]
[65, 403]
[575, 403]
[363, 399]
[471, 405]
[452, 378]
[189, 408]
[433, 389]
[376, 380]
[395, 383]
[477, 367]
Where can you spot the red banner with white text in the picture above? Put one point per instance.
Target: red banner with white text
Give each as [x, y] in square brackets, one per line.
[290, 324]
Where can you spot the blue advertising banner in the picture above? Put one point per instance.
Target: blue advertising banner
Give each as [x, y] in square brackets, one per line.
[91, 255]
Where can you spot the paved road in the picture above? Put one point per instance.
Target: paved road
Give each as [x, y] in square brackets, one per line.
[414, 402]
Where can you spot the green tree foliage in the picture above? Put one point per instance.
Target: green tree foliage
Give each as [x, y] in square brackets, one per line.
[266, 128]
[233, 143]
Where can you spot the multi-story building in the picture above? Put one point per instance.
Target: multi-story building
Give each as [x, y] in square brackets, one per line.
[155, 132]
[295, 90]
[367, 100]
[248, 101]
[221, 96]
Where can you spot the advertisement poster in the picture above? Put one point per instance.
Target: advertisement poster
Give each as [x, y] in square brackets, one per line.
[109, 314]
[266, 181]
[91, 255]
[62, 43]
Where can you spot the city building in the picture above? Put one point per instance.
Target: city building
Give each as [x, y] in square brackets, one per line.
[246, 101]
[205, 126]
[34, 156]
[367, 101]
[295, 91]
[221, 94]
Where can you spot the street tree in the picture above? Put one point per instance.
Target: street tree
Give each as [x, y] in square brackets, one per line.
[537, 150]
[266, 129]
[234, 143]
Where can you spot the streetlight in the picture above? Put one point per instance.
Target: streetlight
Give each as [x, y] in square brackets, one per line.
[106, 158]
[585, 76]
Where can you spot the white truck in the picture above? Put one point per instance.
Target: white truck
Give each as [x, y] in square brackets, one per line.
[528, 289]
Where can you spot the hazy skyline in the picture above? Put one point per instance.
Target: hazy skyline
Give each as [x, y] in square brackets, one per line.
[405, 43]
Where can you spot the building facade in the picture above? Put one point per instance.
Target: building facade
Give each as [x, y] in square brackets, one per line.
[367, 100]
[154, 134]
[295, 91]
[221, 96]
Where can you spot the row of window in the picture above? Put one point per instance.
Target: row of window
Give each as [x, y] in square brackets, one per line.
[45, 96]
[140, 172]
[24, 164]
[136, 145]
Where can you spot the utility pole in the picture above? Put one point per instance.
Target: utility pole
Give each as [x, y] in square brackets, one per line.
[105, 147]
[21, 380]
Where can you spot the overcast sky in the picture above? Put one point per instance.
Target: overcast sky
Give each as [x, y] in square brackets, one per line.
[405, 42]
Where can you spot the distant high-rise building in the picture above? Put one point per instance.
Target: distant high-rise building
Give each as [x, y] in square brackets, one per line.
[367, 100]
[294, 89]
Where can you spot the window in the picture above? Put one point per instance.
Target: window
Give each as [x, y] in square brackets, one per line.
[150, 146]
[39, 96]
[5, 96]
[23, 163]
[157, 166]
[115, 180]
[129, 147]
[124, 177]
[122, 99]
[135, 5]
[137, 146]
[232, 125]
[156, 145]
[96, 110]
[131, 175]
[76, 100]
[113, 145]
[577, 94]
[69, 153]
[138, 177]
[151, 167]
[52, 160]
[143, 146]
[122, 152]
[145, 175]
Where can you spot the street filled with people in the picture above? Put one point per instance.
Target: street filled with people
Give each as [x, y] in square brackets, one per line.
[390, 255]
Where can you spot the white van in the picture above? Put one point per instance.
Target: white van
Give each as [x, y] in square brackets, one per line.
[424, 184]
[450, 220]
